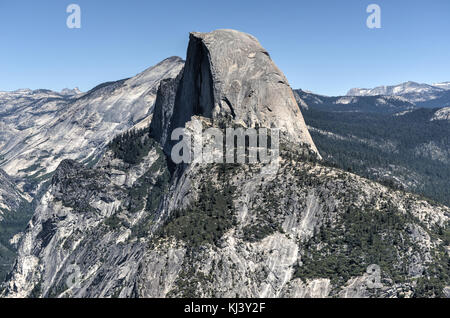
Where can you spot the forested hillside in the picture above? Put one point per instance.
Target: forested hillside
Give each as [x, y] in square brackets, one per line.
[405, 150]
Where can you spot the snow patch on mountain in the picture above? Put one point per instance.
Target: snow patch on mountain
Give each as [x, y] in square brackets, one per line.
[445, 85]
[412, 91]
[442, 114]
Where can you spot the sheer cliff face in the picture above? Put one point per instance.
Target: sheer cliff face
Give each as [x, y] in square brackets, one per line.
[228, 74]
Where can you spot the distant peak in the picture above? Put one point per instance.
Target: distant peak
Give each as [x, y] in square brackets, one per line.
[68, 91]
[413, 92]
[173, 59]
[169, 60]
[171, 64]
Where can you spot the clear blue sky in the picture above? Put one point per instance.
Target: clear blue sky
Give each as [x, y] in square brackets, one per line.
[322, 46]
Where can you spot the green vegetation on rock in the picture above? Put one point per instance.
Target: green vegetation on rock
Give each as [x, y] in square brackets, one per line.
[132, 145]
[209, 217]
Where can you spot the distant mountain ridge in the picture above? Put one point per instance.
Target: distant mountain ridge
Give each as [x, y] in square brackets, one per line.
[373, 104]
[444, 85]
[422, 95]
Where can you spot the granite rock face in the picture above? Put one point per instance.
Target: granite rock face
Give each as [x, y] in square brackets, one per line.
[10, 196]
[164, 106]
[41, 128]
[228, 74]
[14, 212]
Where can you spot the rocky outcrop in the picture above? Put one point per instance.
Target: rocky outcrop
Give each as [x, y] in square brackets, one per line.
[164, 107]
[10, 196]
[228, 74]
[442, 114]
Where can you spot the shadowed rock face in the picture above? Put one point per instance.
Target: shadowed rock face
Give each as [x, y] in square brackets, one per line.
[164, 106]
[228, 74]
